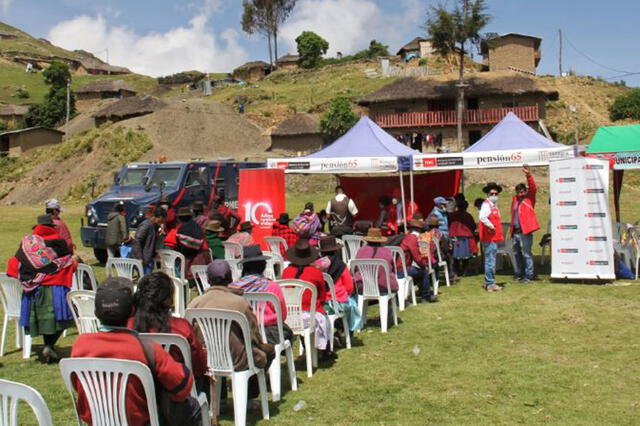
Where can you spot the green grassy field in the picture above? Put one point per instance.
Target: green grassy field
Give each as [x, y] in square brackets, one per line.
[540, 353]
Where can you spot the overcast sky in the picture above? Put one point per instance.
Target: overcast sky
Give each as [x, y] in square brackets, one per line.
[159, 37]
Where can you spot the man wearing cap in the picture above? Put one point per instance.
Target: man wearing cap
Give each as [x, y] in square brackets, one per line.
[417, 265]
[490, 230]
[53, 208]
[223, 296]
[440, 211]
[282, 229]
[524, 223]
[213, 233]
[341, 210]
[117, 229]
[114, 304]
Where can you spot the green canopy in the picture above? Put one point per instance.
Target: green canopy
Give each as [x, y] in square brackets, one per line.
[614, 139]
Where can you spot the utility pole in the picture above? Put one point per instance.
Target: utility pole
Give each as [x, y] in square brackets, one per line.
[560, 51]
[66, 126]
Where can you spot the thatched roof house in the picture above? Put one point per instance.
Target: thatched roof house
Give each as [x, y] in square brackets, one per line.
[419, 46]
[252, 71]
[288, 61]
[487, 84]
[298, 133]
[95, 66]
[103, 89]
[10, 114]
[128, 108]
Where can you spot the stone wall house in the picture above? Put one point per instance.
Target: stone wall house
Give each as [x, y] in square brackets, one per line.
[252, 71]
[16, 142]
[511, 51]
[427, 105]
[299, 133]
[288, 62]
[12, 114]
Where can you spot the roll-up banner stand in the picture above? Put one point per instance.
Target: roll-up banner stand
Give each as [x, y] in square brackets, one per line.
[581, 234]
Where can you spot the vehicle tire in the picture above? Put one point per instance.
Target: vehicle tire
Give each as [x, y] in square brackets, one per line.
[101, 255]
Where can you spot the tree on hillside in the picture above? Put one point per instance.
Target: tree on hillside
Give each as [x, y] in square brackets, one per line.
[338, 119]
[53, 110]
[265, 17]
[376, 49]
[311, 47]
[456, 31]
[626, 106]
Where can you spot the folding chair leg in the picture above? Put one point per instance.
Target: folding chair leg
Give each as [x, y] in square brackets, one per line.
[384, 313]
[347, 332]
[262, 384]
[362, 307]
[413, 293]
[314, 351]
[217, 393]
[394, 311]
[307, 349]
[18, 335]
[240, 389]
[301, 347]
[292, 369]
[26, 344]
[4, 333]
[401, 293]
[274, 378]
[331, 333]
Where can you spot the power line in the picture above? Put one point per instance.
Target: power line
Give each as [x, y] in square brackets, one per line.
[593, 60]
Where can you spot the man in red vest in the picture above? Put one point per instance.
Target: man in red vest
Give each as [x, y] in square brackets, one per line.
[523, 224]
[490, 230]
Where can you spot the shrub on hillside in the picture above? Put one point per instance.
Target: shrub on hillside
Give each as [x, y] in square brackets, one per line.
[338, 119]
[626, 106]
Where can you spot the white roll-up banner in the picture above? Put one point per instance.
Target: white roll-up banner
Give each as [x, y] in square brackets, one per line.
[581, 235]
[335, 165]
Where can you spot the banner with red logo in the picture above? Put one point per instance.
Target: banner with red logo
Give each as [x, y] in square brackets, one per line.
[335, 165]
[581, 234]
[261, 199]
[366, 191]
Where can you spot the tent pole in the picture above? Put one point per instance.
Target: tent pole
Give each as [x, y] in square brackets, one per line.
[617, 189]
[411, 186]
[404, 204]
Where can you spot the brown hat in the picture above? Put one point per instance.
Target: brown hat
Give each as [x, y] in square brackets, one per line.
[433, 221]
[374, 235]
[302, 254]
[328, 244]
[415, 224]
[184, 212]
[214, 226]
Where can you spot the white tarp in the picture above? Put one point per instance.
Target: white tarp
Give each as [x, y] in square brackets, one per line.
[581, 235]
[335, 165]
[490, 159]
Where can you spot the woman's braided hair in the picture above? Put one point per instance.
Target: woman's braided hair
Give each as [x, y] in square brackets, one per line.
[152, 310]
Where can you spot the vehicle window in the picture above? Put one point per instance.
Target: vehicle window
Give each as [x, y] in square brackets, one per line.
[134, 177]
[192, 179]
[167, 175]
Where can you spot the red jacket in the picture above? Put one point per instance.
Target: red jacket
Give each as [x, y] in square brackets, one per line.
[526, 213]
[343, 286]
[289, 235]
[182, 327]
[488, 235]
[312, 275]
[412, 253]
[172, 375]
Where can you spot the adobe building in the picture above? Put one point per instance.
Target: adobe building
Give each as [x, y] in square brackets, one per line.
[418, 47]
[426, 106]
[298, 133]
[517, 52]
[104, 89]
[288, 62]
[17, 142]
[129, 107]
[11, 115]
[252, 71]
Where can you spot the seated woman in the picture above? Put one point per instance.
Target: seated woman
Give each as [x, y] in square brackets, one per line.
[342, 283]
[189, 239]
[307, 225]
[153, 302]
[302, 256]
[375, 250]
[214, 235]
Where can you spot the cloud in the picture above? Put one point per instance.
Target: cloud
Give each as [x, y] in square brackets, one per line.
[4, 5]
[349, 25]
[193, 46]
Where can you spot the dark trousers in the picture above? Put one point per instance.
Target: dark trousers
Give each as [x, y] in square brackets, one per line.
[421, 277]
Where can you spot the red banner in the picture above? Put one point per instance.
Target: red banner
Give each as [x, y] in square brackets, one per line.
[261, 199]
[366, 191]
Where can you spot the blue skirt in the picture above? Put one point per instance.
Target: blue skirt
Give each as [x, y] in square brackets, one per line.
[461, 248]
[45, 310]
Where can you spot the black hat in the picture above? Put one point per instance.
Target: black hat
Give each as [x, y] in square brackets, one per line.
[114, 301]
[328, 244]
[284, 219]
[252, 254]
[45, 219]
[490, 186]
[184, 212]
[302, 254]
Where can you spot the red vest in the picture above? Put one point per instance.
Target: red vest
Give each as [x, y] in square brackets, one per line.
[486, 234]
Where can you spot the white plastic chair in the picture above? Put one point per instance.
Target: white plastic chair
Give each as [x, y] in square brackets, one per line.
[258, 302]
[104, 382]
[505, 248]
[199, 273]
[276, 244]
[236, 268]
[292, 290]
[337, 313]
[351, 245]
[435, 282]
[11, 296]
[271, 272]
[11, 393]
[215, 326]
[170, 340]
[180, 296]
[125, 268]
[82, 305]
[172, 263]
[405, 285]
[442, 264]
[84, 274]
[232, 251]
[369, 270]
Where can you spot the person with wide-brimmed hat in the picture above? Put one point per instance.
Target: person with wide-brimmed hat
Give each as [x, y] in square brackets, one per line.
[375, 250]
[342, 282]
[417, 262]
[213, 232]
[282, 229]
[243, 236]
[188, 238]
[302, 256]
[490, 230]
